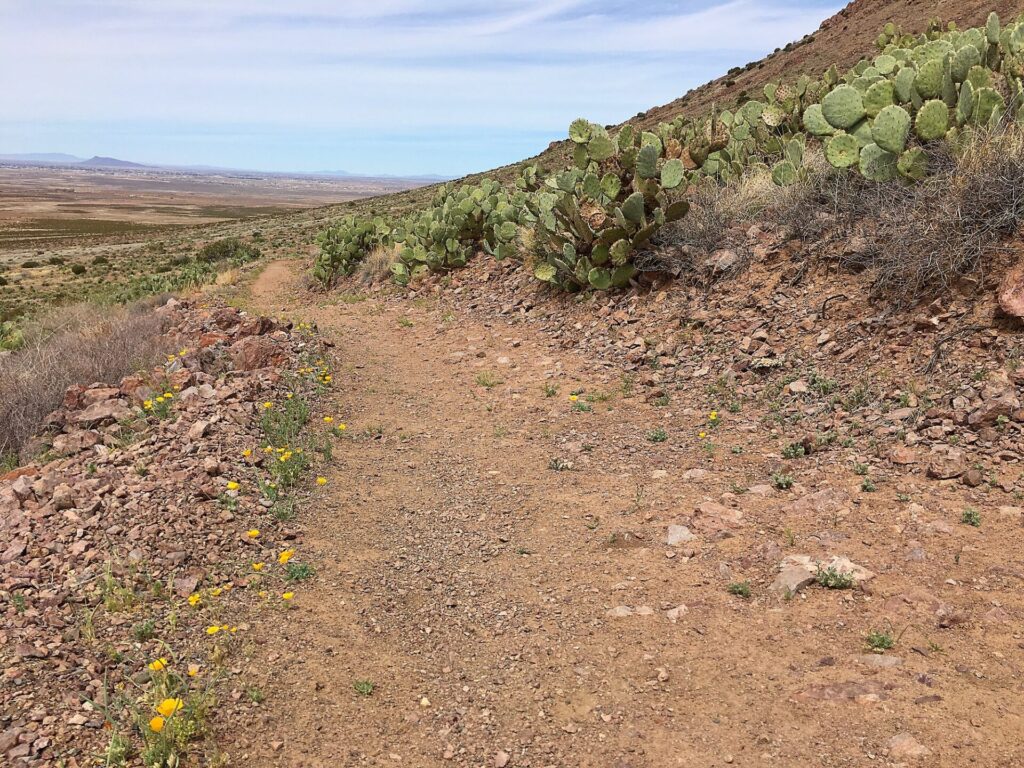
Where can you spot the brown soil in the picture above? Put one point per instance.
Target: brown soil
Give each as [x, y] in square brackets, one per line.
[472, 583]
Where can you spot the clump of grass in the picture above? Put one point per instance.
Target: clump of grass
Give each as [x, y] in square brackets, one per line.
[782, 481]
[739, 588]
[971, 517]
[487, 380]
[880, 640]
[833, 578]
[794, 451]
[363, 687]
[298, 571]
[657, 435]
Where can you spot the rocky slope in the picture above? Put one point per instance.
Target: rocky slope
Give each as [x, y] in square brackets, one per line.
[115, 546]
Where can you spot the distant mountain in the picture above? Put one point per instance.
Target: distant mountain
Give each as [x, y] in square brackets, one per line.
[43, 157]
[108, 162]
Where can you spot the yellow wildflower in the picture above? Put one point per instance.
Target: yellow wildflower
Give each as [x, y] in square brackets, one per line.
[285, 556]
[157, 665]
[148, 405]
[247, 453]
[193, 670]
[713, 416]
[159, 398]
[321, 481]
[264, 594]
[341, 427]
[268, 405]
[215, 592]
[257, 566]
[233, 486]
[194, 599]
[287, 595]
[212, 630]
[168, 395]
[168, 707]
[156, 724]
[183, 353]
[289, 396]
[252, 533]
[702, 435]
[573, 398]
[328, 419]
[269, 449]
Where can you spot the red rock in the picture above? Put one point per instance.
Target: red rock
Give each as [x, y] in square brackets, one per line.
[73, 397]
[1011, 292]
[255, 352]
[211, 338]
[903, 454]
[101, 413]
[99, 394]
[67, 444]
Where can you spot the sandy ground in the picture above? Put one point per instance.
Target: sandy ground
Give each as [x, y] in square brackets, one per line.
[511, 614]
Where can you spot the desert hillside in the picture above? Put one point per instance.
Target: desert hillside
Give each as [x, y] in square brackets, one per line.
[696, 441]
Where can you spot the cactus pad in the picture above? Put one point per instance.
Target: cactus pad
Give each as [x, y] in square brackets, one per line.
[842, 150]
[876, 164]
[932, 120]
[891, 129]
[843, 107]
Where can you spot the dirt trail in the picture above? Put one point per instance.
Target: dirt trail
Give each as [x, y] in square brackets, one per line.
[471, 582]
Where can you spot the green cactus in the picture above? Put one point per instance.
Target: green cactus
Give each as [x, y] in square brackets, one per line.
[932, 120]
[600, 148]
[913, 164]
[963, 60]
[580, 131]
[876, 164]
[992, 28]
[891, 128]
[815, 122]
[988, 106]
[928, 82]
[784, 173]
[965, 104]
[878, 97]
[843, 107]
[842, 150]
[885, 64]
[672, 174]
[903, 85]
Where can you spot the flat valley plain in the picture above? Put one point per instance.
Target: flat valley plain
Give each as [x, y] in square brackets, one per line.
[53, 218]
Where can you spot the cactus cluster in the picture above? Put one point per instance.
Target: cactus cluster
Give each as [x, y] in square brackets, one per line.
[582, 227]
[589, 220]
[924, 88]
[344, 244]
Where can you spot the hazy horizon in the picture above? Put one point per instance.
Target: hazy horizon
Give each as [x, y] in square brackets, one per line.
[397, 87]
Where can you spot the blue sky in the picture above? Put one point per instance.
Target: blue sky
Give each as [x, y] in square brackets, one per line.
[381, 86]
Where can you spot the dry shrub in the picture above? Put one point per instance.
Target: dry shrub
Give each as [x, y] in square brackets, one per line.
[923, 238]
[717, 220]
[376, 267]
[78, 344]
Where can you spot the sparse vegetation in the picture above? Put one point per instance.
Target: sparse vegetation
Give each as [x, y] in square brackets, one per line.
[69, 345]
[833, 578]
